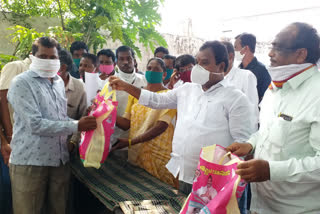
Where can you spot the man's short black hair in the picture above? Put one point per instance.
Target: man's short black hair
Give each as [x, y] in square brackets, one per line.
[92, 57]
[219, 51]
[66, 58]
[108, 53]
[229, 46]
[173, 58]
[45, 42]
[161, 49]
[160, 61]
[124, 49]
[248, 39]
[77, 45]
[308, 38]
[184, 60]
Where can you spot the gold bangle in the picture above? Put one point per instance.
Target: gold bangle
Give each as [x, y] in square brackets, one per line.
[129, 140]
[72, 142]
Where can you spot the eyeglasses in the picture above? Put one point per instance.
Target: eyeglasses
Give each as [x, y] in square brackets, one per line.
[282, 49]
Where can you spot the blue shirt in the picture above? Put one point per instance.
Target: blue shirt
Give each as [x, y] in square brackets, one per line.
[262, 74]
[41, 124]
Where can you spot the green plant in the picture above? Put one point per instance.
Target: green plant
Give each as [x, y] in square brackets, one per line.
[95, 21]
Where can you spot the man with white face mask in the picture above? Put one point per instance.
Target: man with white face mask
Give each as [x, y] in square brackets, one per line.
[39, 167]
[209, 111]
[285, 171]
[245, 46]
[125, 61]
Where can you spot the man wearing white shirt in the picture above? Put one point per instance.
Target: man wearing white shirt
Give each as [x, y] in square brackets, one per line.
[125, 59]
[286, 171]
[209, 111]
[242, 79]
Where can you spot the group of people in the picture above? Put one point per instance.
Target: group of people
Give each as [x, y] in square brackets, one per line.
[167, 114]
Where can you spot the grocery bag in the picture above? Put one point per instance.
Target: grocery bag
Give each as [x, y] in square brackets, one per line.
[95, 144]
[216, 187]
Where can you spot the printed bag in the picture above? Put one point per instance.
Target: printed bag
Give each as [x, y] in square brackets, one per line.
[95, 144]
[216, 188]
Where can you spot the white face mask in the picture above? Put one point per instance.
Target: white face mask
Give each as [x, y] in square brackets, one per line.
[127, 77]
[45, 68]
[199, 75]
[281, 73]
[238, 56]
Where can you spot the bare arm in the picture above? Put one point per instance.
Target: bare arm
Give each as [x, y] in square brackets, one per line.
[118, 84]
[123, 123]
[150, 134]
[5, 114]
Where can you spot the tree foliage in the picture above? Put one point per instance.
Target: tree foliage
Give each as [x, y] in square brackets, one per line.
[94, 21]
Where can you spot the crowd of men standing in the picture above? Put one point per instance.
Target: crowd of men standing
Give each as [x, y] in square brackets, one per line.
[271, 113]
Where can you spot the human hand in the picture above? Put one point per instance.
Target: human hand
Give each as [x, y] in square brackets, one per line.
[254, 170]
[240, 149]
[5, 152]
[122, 143]
[117, 84]
[87, 123]
[175, 77]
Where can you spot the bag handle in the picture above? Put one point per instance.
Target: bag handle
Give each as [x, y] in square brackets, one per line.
[106, 93]
[228, 154]
[111, 94]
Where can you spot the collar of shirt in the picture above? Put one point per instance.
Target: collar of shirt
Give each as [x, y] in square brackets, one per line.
[298, 80]
[70, 85]
[251, 65]
[35, 75]
[223, 83]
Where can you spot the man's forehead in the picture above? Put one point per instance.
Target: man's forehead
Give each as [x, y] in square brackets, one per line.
[286, 36]
[204, 54]
[124, 54]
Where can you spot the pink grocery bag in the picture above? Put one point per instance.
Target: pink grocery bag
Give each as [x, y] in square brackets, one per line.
[216, 187]
[95, 144]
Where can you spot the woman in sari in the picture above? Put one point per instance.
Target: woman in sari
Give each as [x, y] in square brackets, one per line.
[151, 130]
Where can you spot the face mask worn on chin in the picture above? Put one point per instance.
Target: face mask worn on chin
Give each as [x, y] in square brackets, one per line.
[106, 68]
[169, 73]
[45, 68]
[77, 62]
[201, 76]
[127, 77]
[185, 76]
[282, 74]
[154, 77]
[238, 56]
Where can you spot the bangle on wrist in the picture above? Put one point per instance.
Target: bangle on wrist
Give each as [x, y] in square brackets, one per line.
[72, 142]
[129, 140]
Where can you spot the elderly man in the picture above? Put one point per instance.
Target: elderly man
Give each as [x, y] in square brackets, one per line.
[285, 170]
[38, 163]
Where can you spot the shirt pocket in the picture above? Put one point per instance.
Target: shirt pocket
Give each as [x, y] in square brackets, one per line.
[297, 145]
[278, 134]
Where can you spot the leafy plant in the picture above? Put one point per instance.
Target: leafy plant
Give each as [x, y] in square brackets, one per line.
[93, 21]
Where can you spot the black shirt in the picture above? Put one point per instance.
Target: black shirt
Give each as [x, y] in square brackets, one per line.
[262, 75]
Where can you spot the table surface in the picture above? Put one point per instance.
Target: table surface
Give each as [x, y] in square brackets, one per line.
[118, 182]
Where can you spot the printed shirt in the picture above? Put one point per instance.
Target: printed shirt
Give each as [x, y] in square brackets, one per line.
[220, 115]
[289, 139]
[41, 123]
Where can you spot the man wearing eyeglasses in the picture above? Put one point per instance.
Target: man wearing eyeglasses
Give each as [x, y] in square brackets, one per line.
[244, 47]
[285, 171]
